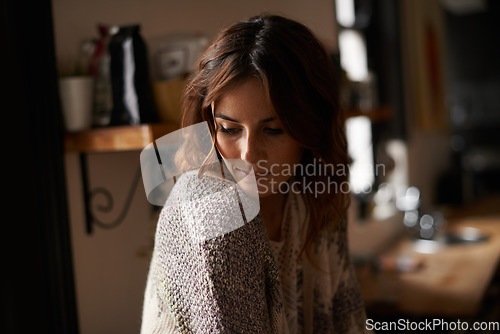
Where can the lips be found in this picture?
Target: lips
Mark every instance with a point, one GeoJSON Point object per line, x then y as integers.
{"type": "Point", "coordinates": [242, 171]}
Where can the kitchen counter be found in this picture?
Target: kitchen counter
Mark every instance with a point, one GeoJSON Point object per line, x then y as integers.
{"type": "Point", "coordinates": [446, 280]}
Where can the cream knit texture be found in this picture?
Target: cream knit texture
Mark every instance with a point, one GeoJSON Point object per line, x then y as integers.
{"type": "Point", "coordinates": [204, 284]}
{"type": "Point", "coordinates": [205, 280]}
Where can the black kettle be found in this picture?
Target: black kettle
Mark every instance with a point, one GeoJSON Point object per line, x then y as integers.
{"type": "Point", "coordinates": [133, 99]}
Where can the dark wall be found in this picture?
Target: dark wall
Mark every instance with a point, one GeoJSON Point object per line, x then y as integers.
{"type": "Point", "coordinates": [473, 83]}
{"type": "Point", "coordinates": [383, 41]}
{"type": "Point", "coordinates": [473, 74]}
{"type": "Point", "coordinates": [37, 274]}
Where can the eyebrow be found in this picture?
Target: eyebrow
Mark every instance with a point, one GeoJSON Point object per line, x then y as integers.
{"type": "Point", "coordinates": [222, 116]}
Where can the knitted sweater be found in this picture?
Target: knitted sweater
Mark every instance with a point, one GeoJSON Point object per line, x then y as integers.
{"type": "Point", "coordinates": [238, 281]}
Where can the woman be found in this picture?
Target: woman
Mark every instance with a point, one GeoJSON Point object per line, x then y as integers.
{"type": "Point", "coordinates": [266, 88]}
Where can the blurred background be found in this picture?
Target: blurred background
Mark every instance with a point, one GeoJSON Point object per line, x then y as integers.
{"type": "Point", "coordinates": [419, 81]}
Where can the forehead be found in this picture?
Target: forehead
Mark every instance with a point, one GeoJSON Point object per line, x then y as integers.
{"type": "Point", "coordinates": [247, 99]}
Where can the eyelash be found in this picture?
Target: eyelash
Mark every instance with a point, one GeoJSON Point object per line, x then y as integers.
{"type": "Point", "coordinates": [233, 132]}
{"type": "Point", "coordinates": [272, 131]}
{"type": "Point", "coordinates": [230, 132]}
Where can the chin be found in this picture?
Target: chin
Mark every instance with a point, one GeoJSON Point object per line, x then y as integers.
{"type": "Point", "coordinates": [265, 194]}
{"type": "Point", "coordinates": [265, 188]}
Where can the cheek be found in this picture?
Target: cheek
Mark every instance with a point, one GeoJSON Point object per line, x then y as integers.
{"type": "Point", "coordinates": [297, 153]}
{"type": "Point", "coordinates": [286, 155]}
{"type": "Point", "coordinates": [227, 148]}
{"type": "Point", "coordinates": [291, 153]}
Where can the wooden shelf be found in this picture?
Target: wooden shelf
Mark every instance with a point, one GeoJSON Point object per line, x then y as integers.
{"type": "Point", "coordinates": [127, 138]}
{"type": "Point", "coordinates": [381, 114]}
{"type": "Point", "coordinates": [116, 138]}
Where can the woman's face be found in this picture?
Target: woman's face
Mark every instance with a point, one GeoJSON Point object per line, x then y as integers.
{"type": "Point", "coordinates": [249, 129]}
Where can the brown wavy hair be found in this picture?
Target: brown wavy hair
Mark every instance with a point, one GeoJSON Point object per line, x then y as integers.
{"type": "Point", "coordinates": [300, 78]}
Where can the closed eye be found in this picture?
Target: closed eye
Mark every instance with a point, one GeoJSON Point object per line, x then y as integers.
{"type": "Point", "coordinates": [273, 131]}
{"type": "Point", "coordinates": [229, 131]}
{"type": "Point", "coordinates": [236, 131]}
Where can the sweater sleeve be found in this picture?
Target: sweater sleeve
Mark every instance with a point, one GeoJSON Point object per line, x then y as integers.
{"type": "Point", "coordinates": [154, 318]}
{"type": "Point", "coordinates": [210, 273]}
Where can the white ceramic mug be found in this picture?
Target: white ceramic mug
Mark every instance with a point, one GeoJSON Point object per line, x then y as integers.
{"type": "Point", "coordinates": [77, 102]}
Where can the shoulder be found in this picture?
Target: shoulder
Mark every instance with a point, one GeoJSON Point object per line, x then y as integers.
{"type": "Point", "coordinates": [208, 206]}
{"type": "Point", "coordinates": [191, 186]}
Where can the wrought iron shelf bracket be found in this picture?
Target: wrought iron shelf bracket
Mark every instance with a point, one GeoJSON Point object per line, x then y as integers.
{"type": "Point", "coordinates": [89, 196]}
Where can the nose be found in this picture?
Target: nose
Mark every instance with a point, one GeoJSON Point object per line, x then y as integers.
{"type": "Point", "coordinates": [251, 149]}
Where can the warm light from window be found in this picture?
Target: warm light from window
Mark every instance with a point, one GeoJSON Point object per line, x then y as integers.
{"type": "Point", "coordinates": [345, 12]}
{"type": "Point", "coordinates": [359, 137]}
{"type": "Point", "coordinates": [352, 48]}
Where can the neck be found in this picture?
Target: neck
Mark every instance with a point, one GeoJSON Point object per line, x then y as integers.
{"type": "Point", "coordinates": [271, 208]}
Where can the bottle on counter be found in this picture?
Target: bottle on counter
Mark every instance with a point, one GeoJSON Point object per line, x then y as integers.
{"type": "Point", "coordinates": [101, 70]}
